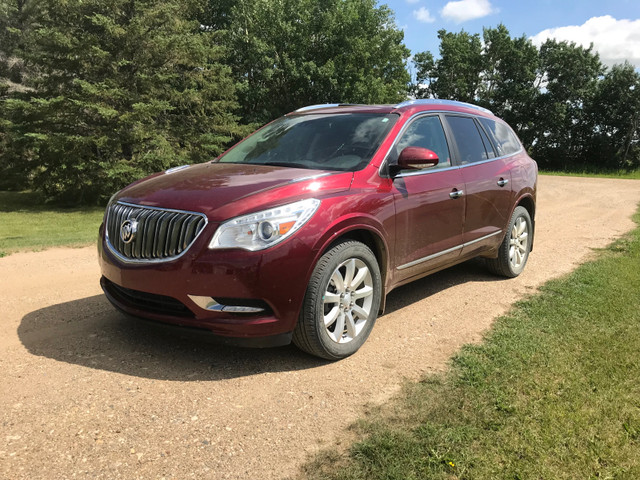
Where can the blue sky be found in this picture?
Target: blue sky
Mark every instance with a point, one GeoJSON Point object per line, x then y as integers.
{"type": "Point", "coordinates": [613, 26]}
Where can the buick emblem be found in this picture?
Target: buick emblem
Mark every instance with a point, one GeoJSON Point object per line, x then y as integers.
{"type": "Point", "coordinates": [128, 230]}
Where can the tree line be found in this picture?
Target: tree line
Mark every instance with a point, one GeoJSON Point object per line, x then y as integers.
{"type": "Point", "coordinates": [97, 93]}
{"type": "Point", "coordinates": [569, 110]}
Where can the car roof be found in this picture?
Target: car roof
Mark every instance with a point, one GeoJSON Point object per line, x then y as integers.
{"type": "Point", "coordinates": [409, 106]}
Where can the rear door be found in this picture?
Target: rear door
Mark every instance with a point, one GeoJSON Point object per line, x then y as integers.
{"type": "Point", "coordinates": [487, 184]}
{"type": "Point", "coordinates": [429, 215]}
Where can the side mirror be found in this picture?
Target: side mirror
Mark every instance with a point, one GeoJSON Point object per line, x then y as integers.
{"type": "Point", "coordinates": [417, 158]}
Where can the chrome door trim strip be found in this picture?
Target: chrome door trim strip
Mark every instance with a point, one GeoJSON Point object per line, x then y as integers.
{"type": "Point", "coordinates": [429, 257]}
{"type": "Point", "coordinates": [444, 252]}
{"type": "Point", "coordinates": [482, 238]}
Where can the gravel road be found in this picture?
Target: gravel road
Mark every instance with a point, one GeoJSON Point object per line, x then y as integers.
{"type": "Point", "coordinates": [87, 393]}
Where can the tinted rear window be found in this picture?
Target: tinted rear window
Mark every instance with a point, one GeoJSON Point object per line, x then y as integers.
{"type": "Point", "coordinates": [470, 146]}
{"type": "Point", "coordinates": [502, 136]}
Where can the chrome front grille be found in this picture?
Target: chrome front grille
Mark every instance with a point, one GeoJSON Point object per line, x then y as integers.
{"type": "Point", "coordinates": [150, 233]}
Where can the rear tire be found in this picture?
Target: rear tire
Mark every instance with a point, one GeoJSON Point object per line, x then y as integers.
{"type": "Point", "coordinates": [514, 249]}
{"type": "Point", "coordinates": [341, 302]}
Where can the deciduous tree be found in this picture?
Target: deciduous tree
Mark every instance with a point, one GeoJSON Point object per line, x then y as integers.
{"type": "Point", "coordinates": [291, 53]}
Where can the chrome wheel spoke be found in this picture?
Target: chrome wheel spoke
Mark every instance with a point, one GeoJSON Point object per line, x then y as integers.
{"type": "Point", "coordinates": [351, 326]}
{"type": "Point", "coordinates": [338, 281]}
{"type": "Point", "coordinates": [339, 328]}
{"type": "Point", "coordinates": [364, 292]}
{"type": "Point", "coordinates": [350, 272]}
{"type": "Point", "coordinates": [360, 312]}
{"type": "Point", "coordinates": [357, 280]}
{"type": "Point", "coordinates": [330, 317]}
{"type": "Point", "coordinates": [330, 297]}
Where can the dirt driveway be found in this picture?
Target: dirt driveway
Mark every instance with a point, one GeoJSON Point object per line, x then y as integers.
{"type": "Point", "coordinates": [86, 393]}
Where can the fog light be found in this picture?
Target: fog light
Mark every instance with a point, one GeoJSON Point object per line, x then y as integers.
{"type": "Point", "coordinates": [209, 303]}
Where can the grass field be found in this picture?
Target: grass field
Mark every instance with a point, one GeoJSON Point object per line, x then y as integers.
{"type": "Point", "coordinates": [27, 224]}
{"type": "Point", "coordinates": [622, 174]}
{"type": "Point", "coordinates": [551, 393]}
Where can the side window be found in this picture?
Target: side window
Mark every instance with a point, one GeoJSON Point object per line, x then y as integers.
{"type": "Point", "coordinates": [468, 140]}
{"type": "Point", "coordinates": [425, 132]}
{"type": "Point", "coordinates": [503, 137]}
{"type": "Point", "coordinates": [487, 144]}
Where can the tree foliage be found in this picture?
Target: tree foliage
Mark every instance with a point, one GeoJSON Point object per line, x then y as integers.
{"type": "Point", "coordinates": [567, 109]}
{"type": "Point", "coordinates": [291, 53]}
{"type": "Point", "coordinates": [111, 90]}
{"type": "Point", "coordinates": [456, 74]}
{"type": "Point", "coordinates": [97, 93]}
{"type": "Point", "coordinates": [615, 109]}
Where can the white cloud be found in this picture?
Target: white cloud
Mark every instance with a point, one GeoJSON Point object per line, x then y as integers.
{"type": "Point", "coordinates": [464, 10]}
{"type": "Point", "coordinates": [615, 40]}
{"type": "Point", "coordinates": [423, 15]}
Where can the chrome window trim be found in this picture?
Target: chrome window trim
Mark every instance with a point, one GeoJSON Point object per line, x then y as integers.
{"type": "Point", "coordinates": [426, 171]}
{"type": "Point", "coordinates": [140, 261]}
{"type": "Point", "coordinates": [435, 169]}
{"type": "Point", "coordinates": [444, 252]}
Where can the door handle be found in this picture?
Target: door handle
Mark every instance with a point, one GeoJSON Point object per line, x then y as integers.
{"type": "Point", "coordinates": [502, 182]}
{"type": "Point", "coordinates": [456, 193]}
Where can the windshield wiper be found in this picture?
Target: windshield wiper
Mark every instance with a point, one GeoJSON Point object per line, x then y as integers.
{"type": "Point", "coordinates": [285, 164]}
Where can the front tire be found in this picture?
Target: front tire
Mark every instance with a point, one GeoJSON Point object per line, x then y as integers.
{"type": "Point", "coordinates": [341, 302]}
{"type": "Point", "coordinates": [514, 249]}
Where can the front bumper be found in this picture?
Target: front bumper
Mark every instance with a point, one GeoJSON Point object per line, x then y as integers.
{"type": "Point", "coordinates": [273, 280]}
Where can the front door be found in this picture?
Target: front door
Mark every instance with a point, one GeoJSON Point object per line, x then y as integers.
{"type": "Point", "coordinates": [429, 212]}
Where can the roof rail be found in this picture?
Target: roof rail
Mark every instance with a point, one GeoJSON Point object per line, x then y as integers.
{"type": "Point", "coordinates": [437, 101]}
{"type": "Point", "coordinates": [313, 107]}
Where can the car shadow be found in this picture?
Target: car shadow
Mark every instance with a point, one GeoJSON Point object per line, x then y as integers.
{"type": "Point", "coordinates": [470, 271]}
{"type": "Point", "coordinates": [91, 333]}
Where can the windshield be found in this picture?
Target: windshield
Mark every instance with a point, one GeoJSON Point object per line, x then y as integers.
{"type": "Point", "coordinates": [344, 142]}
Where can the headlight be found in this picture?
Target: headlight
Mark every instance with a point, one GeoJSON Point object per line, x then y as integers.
{"type": "Point", "coordinates": [261, 230]}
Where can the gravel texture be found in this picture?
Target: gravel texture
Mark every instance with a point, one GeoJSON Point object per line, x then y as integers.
{"type": "Point", "coordinates": [88, 393]}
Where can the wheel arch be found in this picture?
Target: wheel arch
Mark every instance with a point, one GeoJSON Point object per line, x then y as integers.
{"type": "Point", "coordinates": [376, 243]}
{"type": "Point", "coordinates": [529, 204]}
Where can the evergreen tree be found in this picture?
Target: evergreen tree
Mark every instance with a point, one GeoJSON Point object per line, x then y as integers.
{"type": "Point", "coordinates": [17, 20]}
{"type": "Point", "coordinates": [120, 89]}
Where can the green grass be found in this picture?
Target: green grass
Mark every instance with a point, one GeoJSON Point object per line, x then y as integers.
{"type": "Point", "coordinates": [622, 174]}
{"type": "Point", "coordinates": [26, 223]}
{"type": "Point", "coordinates": [553, 392]}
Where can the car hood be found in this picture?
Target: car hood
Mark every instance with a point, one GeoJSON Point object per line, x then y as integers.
{"type": "Point", "coordinates": [224, 190]}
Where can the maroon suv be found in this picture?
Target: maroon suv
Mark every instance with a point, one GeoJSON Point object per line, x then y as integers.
{"type": "Point", "coordinates": [301, 230]}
